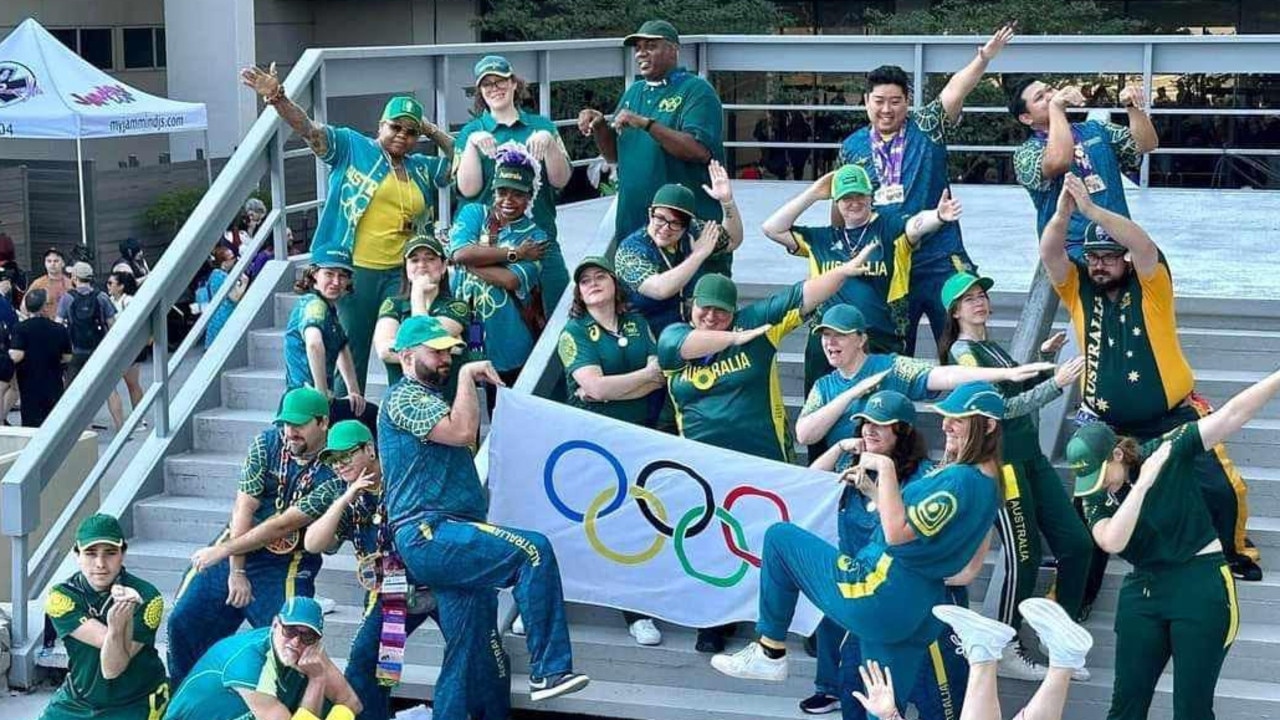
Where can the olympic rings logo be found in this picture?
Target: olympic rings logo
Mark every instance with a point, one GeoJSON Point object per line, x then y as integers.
{"type": "Point", "coordinates": [689, 525]}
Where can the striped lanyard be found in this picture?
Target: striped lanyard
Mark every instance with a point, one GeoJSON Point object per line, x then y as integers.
{"type": "Point", "coordinates": [887, 155]}
{"type": "Point", "coordinates": [1078, 155]}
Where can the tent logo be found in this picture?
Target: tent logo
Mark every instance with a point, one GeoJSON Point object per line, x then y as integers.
{"type": "Point", "coordinates": [104, 95]}
{"type": "Point", "coordinates": [17, 83]}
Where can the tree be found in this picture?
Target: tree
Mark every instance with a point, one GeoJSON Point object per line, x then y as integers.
{"type": "Point", "coordinates": [513, 20]}
{"type": "Point", "coordinates": [1035, 17]}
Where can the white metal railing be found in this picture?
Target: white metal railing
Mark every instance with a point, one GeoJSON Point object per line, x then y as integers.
{"type": "Point", "coordinates": [439, 74]}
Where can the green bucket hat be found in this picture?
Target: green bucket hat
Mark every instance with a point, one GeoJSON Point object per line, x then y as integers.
{"type": "Point", "coordinates": [304, 611]}
{"type": "Point", "coordinates": [99, 529]}
{"type": "Point", "coordinates": [676, 197]}
{"type": "Point", "coordinates": [344, 437]}
{"type": "Point", "coordinates": [430, 242]}
{"type": "Point", "coordinates": [591, 261]}
{"type": "Point", "coordinates": [972, 398]}
{"type": "Point", "coordinates": [424, 330]}
{"type": "Point", "coordinates": [716, 291]}
{"type": "Point", "coordinates": [1097, 239]}
{"type": "Point", "coordinates": [886, 408]}
{"type": "Point", "coordinates": [652, 30]}
{"type": "Point", "coordinates": [302, 405]}
{"type": "Point", "coordinates": [516, 177]}
{"type": "Point", "coordinates": [850, 179]}
{"type": "Point", "coordinates": [959, 284]}
{"type": "Point", "coordinates": [1087, 454]}
{"type": "Point", "coordinates": [844, 319]}
{"type": "Point", "coordinates": [402, 106]}
{"type": "Point", "coordinates": [493, 65]}
{"type": "Point", "coordinates": [333, 257]}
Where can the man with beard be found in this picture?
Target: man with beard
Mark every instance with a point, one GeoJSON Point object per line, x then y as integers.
{"type": "Point", "coordinates": [1136, 379]}
{"type": "Point", "coordinates": [437, 506]}
{"type": "Point", "coordinates": [259, 559]}
{"type": "Point", "coordinates": [475, 677]}
{"type": "Point", "coordinates": [278, 671]}
{"type": "Point", "coordinates": [666, 129]}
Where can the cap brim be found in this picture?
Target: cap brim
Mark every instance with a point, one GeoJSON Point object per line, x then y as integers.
{"type": "Point", "coordinates": [499, 73]}
{"type": "Point", "coordinates": [1105, 247]}
{"type": "Point", "coordinates": [444, 343]}
{"type": "Point", "coordinates": [633, 37]}
{"type": "Point", "coordinates": [513, 185]}
{"type": "Point", "coordinates": [408, 250]}
{"type": "Point", "coordinates": [847, 193]}
{"type": "Point", "coordinates": [300, 623]}
{"type": "Point", "coordinates": [875, 420]}
{"type": "Point", "coordinates": [411, 116]}
{"type": "Point", "coordinates": [836, 329]}
{"type": "Point", "coordinates": [717, 304]}
{"type": "Point", "coordinates": [292, 419]}
{"type": "Point", "coordinates": [947, 411]}
{"type": "Point", "coordinates": [577, 272]}
{"type": "Point", "coordinates": [113, 542]}
{"type": "Point", "coordinates": [1091, 483]}
{"type": "Point", "coordinates": [676, 208]}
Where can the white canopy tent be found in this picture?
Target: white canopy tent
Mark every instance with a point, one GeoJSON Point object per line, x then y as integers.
{"type": "Point", "coordinates": [47, 92]}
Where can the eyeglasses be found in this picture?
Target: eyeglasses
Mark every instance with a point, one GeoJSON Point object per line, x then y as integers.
{"type": "Point", "coordinates": [398, 129]}
{"type": "Point", "coordinates": [1103, 258]}
{"type": "Point", "coordinates": [667, 223]}
{"type": "Point", "coordinates": [343, 458]}
{"type": "Point", "coordinates": [490, 84]}
{"type": "Point", "coordinates": [303, 634]}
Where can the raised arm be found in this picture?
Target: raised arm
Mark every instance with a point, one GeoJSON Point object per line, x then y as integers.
{"type": "Point", "coordinates": [928, 222]}
{"type": "Point", "coordinates": [1053, 241]}
{"type": "Point", "coordinates": [460, 425]}
{"type": "Point", "coordinates": [546, 148]}
{"type": "Point", "coordinates": [268, 86]}
{"type": "Point", "coordinates": [964, 81]}
{"type": "Point", "coordinates": [721, 190]}
{"type": "Point", "coordinates": [1030, 401]}
{"type": "Point", "coordinates": [1226, 420]}
{"type": "Point", "coordinates": [1142, 249]}
{"type": "Point", "coordinates": [1144, 134]}
{"type": "Point", "coordinates": [817, 418]}
{"type": "Point", "coordinates": [949, 377]}
{"type": "Point", "coordinates": [701, 343]}
{"type": "Point", "coordinates": [778, 226]}
{"type": "Point", "coordinates": [663, 285]}
{"type": "Point", "coordinates": [1113, 534]}
{"type": "Point", "coordinates": [1059, 150]}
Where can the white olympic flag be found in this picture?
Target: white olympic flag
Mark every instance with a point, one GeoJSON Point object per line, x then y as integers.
{"type": "Point", "coordinates": [644, 521]}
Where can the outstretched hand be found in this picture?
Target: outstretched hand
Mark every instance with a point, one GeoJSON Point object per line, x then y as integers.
{"type": "Point", "coordinates": [949, 208]}
{"type": "Point", "coordinates": [878, 700]}
{"type": "Point", "coordinates": [720, 188]}
{"type": "Point", "coordinates": [998, 40]}
{"type": "Point", "coordinates": [264, 82]}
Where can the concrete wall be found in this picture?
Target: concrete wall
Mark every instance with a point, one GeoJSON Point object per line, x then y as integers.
{"type": "Point", "coordinates": [208, 42]}
{"type": "Point", "coordinates": [56, 494]}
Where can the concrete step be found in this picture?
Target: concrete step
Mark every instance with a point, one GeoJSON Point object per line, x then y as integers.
{"type": "Point", "coordinates": [1254, 656]}
{"type": "Point", "coordinates": [181, 518]}
{"type": "Point", "coordinates": [205, 474]}
{"type": "Point", "coordinates": [259, 388]}
{"type": "Point", "coordinates": [226, 430]}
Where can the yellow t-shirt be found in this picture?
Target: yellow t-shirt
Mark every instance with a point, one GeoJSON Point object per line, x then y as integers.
{"type": "Point", "coordinates": [387, 224]}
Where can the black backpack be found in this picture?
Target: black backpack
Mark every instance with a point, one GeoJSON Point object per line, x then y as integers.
{"type": "Point", "coordinates": [88, 323]}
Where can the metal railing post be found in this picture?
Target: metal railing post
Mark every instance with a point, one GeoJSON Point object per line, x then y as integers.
{"type": "Point", "coordinates": [319, 113]}
{"type": "Point", "coordinates": [18, 586]}
{"type": "Point", "coordinates": [1144, 172]}
{"type": "Point", "coordinates": [917, 92]}
{"type": "Point", "coordinates": [160, 369]}
{"type": "Point", "coordinates": [275, 155]}
{"type": "Point", "coordinates": [544, 83]}
{"type": "Point", "coordinates": [440, 67]}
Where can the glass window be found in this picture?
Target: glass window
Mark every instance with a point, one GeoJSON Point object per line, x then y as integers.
{"type": "Point", "coordinates": [67, 36]}
{"type": "Point", "coordinates": [162, 56]}
{"type": "Point", "coordinates": [139, 48]}
{"type": "Point", "coordinates": [95, 46]}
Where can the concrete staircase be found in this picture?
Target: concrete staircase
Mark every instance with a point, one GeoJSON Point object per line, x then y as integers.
{"type": "Point", "coordinates": [672, 681]}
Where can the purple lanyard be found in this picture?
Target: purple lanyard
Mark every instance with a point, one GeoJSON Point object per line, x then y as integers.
{"type": "Point", "coordinates": [1079, 157]}
{"type": "Point", "coordinates": [887, 156]}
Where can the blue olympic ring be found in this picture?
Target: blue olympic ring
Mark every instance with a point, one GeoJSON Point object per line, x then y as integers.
{"type": "Point", "coordinates": [548, 479]}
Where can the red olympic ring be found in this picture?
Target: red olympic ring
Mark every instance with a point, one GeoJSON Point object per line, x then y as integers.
{"type": "Point", "coordinates": [732, 498]}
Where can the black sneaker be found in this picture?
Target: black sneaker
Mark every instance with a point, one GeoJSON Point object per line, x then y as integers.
{"type": "Point", "coordinates": [1244, 569]}
{"type": "Point", "coordinates": [819, 704]}
{"type": "Point", "coordinates": [710, 640]}
{"type": "Point", "coordinates": [556, 685]}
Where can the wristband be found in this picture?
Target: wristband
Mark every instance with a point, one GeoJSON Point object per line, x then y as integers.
{"type": "Point", "coordinates": [239, 571]}
{"type": "Point", "coordinates": [276, 96]}
{"type": "Point", "coordinates": [648, 124]}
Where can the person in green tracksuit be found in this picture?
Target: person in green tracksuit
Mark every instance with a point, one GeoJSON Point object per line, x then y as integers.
{"type": "Point", "coordinates": [500, 120]}
{"type": "Point", "coordinates": [881, 295]}
{"type": "Point", "coordinates": [1144, 503]}
{"type": "Point", "coordinates": [424, 291]}
{"type": "Point", "coordinates": [107, 619]}
{"type": "Point", "coordinates": [667, 127]}
{"type": "Point", "coordinates": [1035, 500]}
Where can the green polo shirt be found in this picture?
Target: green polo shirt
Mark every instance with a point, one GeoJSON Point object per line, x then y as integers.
{"type": "Point", "coordinates": [398, 308]}
{"type": "Point", "coordinates": [85, 692]}
{"type": "Point", "coordinates": [584, 343]}
{"type": "Point", "coordinates": [544, 203]}
{"type": "Point", "coordinates": [680, 101]}
{"type": "Point", "coordinates": [245, 661]}
{"type": "Point", "coordinates": [1174, 523]}
{"type": "Point", "coordinates": [733, 399]}
{"type": "Point", "coordinates": [1021, 437]}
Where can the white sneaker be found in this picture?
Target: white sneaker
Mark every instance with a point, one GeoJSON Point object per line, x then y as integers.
{"type": "Point", "coordinates": [1066, 642]}
{"type": "Point", "coordinates": [328, 606]}
{"type": "Point", "coordinates": [750, 663]}
{"type": "Point", "coordinates": [981, 638]}
{"type": "Point", "coordinates": [517, 626]}
{"type": "Point", "coordinates": [1019, 665]}
{"type": "Point", "coordinates": [646, 632]}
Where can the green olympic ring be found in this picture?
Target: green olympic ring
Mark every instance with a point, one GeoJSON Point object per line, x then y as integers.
{"type": "Point", "coordinates": [593, 511]}
{"type": "Point", "coordinates": [726, 519]}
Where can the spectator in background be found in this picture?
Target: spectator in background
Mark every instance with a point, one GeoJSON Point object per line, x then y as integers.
{"type": "Point", "coordinates": [132, 260]}
{"type": "Point", "coordinates": [8, 321]}
{"type": "Point", "coordinates": [55, 282]}
{"type": "Point", "coordinates": [87, 313]}
{"type": "Point", "coordinates": [797, 130]}
{"type": "Point", "coordinates": [254, 211]}
{"type": "Point", "coordinates": [121, 286]}
{"type": "Point", "coordinates": [40, 348]}
{"type": "Point", "coordinates": [223, 261]}
{"type": "Point", "coordinates": [235, 236]}
{"type": "Point", "coordinates": [13, 282]}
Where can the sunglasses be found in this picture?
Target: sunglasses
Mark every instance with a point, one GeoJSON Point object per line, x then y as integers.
{"type": "Point", "coordinates": [399, 129]}
{"type": "Point", "coordinates": [301, 633]}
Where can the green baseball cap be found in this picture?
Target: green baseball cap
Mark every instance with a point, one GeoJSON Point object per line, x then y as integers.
{"type": "Point", "coordinates": [344, 436]}
{"type": "Point", "coordinates": [1097, 239]}
{"type": "Point", "coordinates": [716, 291]}
{"type": "Point", "coordinates": [305, 611]}
{"type": "Point", "coordinates": [886, 408]}
{"type": "Point", "coordinates": [516, 177]}
{"type": "Point", "coordinates": [972, 398]}
{"type": "Point", "coordinates": [1087, 454]}
{"type": "Point", "coordinates": [333, 257]}
{"type": "Point", "coordinates": [402, 106]}
{"type": "Point", "coordinates": [653, 30]}
{"type": "Point", "coordinates": [593, 261]}
{"type": "Point", "coordinates": [99, 529]}
{"type": "Point", "coordinates": [430, 242]}
{"type": "Point", "coordinates": [844, 319]}
{"type": "Point", "coordinates": [959, 284]}
{"type": "Point", "coordinates": [424, 330]}
{"type": "Point", "coordinates": [674, 197]}
{"type": "Point", "coordinates": [493, 65]}
{"type": "Point", "coordinates": [302, 405]}
{"type": "Point", "coordinates": [850, 179]}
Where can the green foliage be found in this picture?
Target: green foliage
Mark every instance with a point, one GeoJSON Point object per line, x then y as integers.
{"type": "Point", "coordinates": [1035, 17]}
{"type": "Point", "coordinates": [513, 20]}
{"type": "Point", "coordinates": [172, 209]}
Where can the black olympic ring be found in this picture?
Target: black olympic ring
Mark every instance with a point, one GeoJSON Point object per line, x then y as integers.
{"type": "Point", "coordinates": [708, 511]}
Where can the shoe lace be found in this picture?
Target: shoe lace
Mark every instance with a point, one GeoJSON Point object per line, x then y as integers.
{"type": "Point", "coordinates": [1025, 656]}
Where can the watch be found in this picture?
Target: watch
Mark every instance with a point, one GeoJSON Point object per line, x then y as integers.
{"type": "Point", "coordinates": [511, 255]}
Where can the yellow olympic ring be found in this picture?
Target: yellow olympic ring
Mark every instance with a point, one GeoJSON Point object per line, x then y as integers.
{"type": "Point", "coordinates": [589, 524]}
